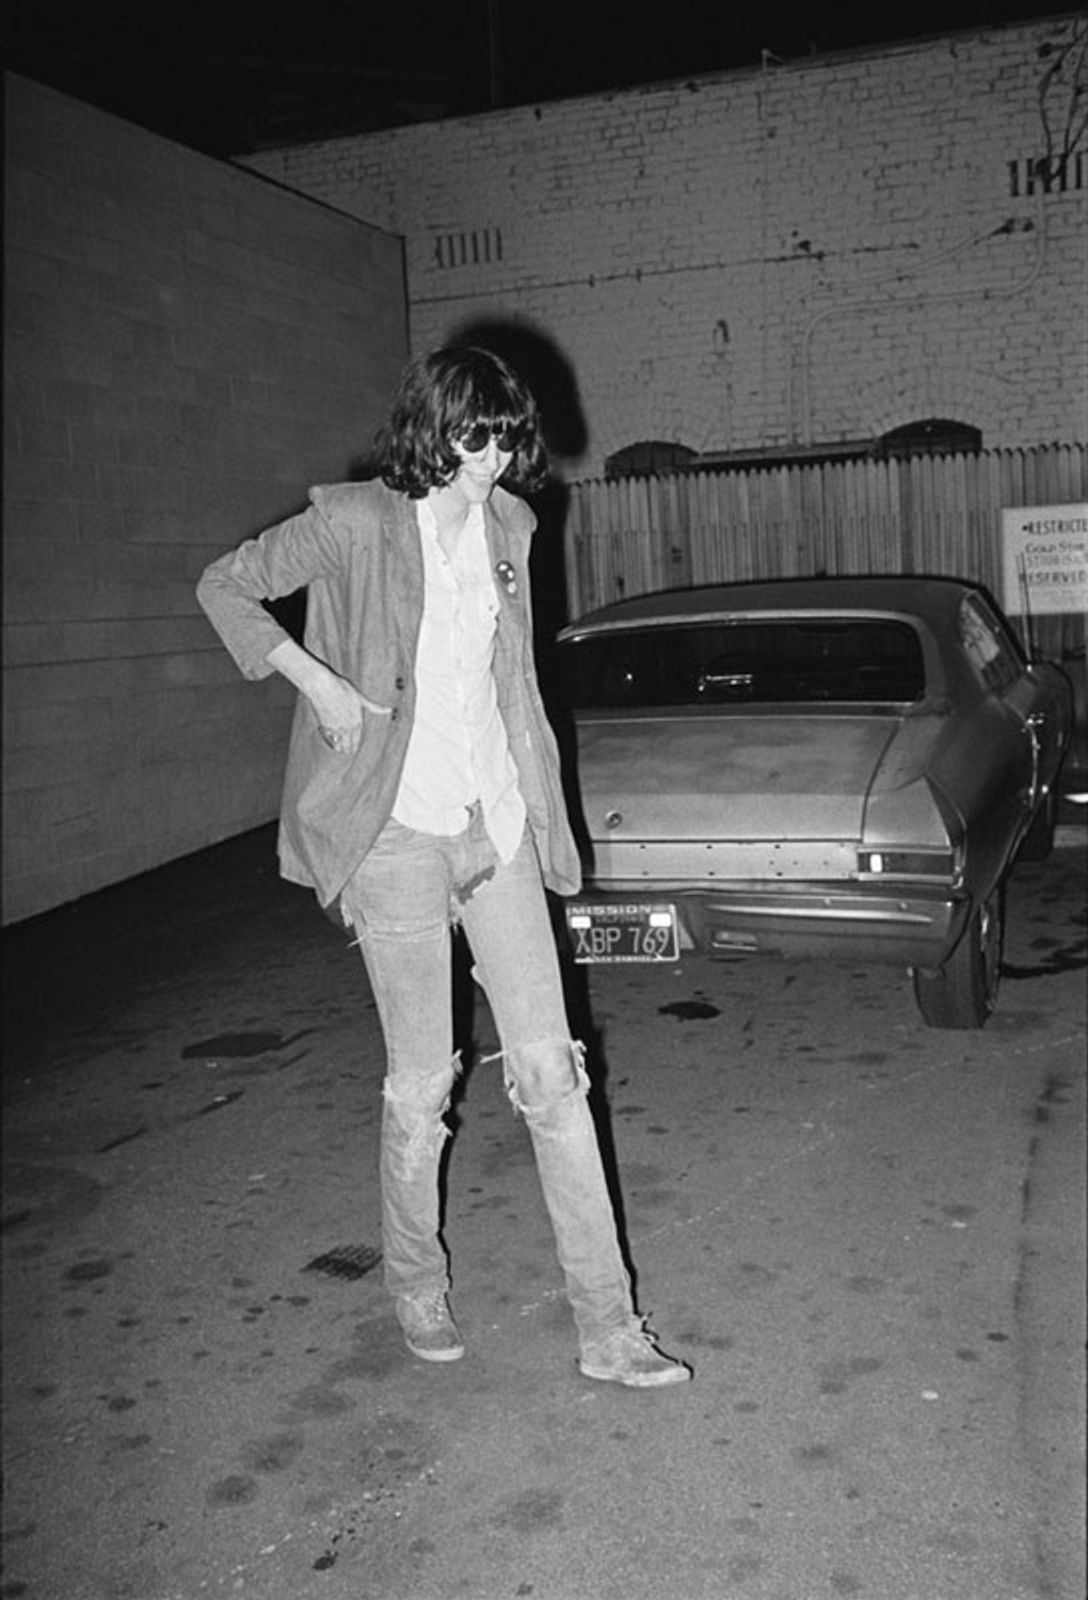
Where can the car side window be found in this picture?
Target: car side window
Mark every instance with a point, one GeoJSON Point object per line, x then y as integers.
{"type": "Point", "coordinates": [990, 653]}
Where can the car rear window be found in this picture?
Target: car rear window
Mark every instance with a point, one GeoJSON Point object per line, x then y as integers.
{"type": "Point", "coordinates": [745, 662]}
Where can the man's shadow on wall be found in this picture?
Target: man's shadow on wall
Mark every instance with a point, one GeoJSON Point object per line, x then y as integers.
{"type": "Point", "coordinates": [550, 376]}
{"type": "Point", "coordinates": [536, 357]}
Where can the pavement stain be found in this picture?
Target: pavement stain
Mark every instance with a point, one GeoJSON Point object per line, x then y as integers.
{"type": "Point", "coordinates": [493, 1202]}
{"type": "Point", "coordinates": [689, 1010]}
{"type": "Point", "coordinates": [273, 1454]}
{"type": "Point", "coordinates": [693, 1339]}
{"type": "Point", "coordinates": [44, 1196]}
{"type": "Point", "coordinates": [121, 1443]}
{"type": "Point", "coordinates": [1058, 958]}
{"type": "Point", "coordinates": [122, 1138]}
{"type": "Point", "coordinates": [318, 1402]}
{"type": "Point", "coordinates": [118, 1402]}
{"type": "Point", "coordinates": [836, 1377]}
{"type": "Point", "coordinates": [232, 1491]}
{"type": "Point", "coordinates": [387, 1455]}
{"type": "Point", "coordinates": [89, 1271]}
{"type": "Point", "coordinates": [645, 1175]}
{"type": "Point", "coordinates": [378, 1353]}
{"type": "Point", "coordinates": [1052, 1095]}
{"type": "Point", "coordinates": [531, 1511]}
{"type": "Point", "coordinates": [504, 1154]}
{"type": "Point", "coordinates": [240, 1046]}
{"type": "Point", "coordinates": [753, 1275]}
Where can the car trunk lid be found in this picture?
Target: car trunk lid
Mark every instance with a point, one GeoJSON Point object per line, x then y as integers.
{"type": "Point", "coordinates": [738, 776]}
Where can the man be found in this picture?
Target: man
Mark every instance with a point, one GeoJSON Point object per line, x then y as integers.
{"type": "Point", "coordinates": [422, 793]}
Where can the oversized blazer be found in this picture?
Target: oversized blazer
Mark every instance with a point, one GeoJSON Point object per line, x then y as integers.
{"type": "Point", "coordinates": [356, 548]}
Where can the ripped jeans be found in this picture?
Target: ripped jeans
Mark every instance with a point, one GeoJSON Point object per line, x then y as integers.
{"type": "Point", "coordinates": [402, 901]}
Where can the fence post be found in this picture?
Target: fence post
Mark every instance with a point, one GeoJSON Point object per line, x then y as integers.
{"type": "Point", "coordinates": [906, 513]}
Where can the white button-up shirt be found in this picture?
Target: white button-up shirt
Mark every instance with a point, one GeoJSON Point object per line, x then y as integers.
{"type": "Point", "coordinates": [458, 753]}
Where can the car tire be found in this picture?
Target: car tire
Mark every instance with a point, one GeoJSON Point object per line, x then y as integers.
{"type": "Point", "coordinates": [1038, 842]}
{"type": "Point", "coordinates": [963, 992]}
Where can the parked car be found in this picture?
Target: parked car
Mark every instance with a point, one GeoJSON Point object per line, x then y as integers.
{"type": "Point", "coordinates": [831, 766]}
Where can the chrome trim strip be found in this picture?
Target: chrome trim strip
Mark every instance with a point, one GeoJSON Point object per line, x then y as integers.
{"type": "Point", "coordinates": [821, 913]}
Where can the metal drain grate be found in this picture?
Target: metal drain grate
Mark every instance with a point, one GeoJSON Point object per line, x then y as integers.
{"type": "Point", "coordinates": [349, 1261]}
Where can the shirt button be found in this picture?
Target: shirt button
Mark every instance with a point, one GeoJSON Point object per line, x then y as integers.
{"type": "Point", "coordinates": [399, 683]}
{"type": "Point", "coordinates": [394, 715]}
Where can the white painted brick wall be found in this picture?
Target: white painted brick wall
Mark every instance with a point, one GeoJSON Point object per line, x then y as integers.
{"type": "Point", "coordinates": [805, 254]}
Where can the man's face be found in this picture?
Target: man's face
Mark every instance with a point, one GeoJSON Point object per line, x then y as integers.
{"type": "Point", "coordinates": [482, 467]}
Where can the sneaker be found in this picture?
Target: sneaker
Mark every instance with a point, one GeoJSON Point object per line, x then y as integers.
{"type": "Point", "coordinates": [429, 1330]}
{"type": "Point", "coordinates": [630, 1356]}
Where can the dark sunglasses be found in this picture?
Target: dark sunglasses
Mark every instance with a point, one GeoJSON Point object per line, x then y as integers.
{"type": "Point", "coordinates": [506, 435]}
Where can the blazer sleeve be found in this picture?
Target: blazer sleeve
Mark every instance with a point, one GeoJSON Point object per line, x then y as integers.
{"type": "Point", "coordinates": [284, 558]}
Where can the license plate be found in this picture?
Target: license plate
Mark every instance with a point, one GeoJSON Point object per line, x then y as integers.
{"type": "Point", "coordinates": [641, 932]}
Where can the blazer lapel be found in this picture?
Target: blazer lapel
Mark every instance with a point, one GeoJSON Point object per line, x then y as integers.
{"type": "Point", "coordinates": [404, 564]}
{"type": "Point", "coordinates": [505, 561]}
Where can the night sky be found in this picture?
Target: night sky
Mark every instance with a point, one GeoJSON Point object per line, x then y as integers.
{"type": "Point", "coordinates": [242, 75]}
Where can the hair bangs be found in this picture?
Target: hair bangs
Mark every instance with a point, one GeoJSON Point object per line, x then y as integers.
{"type": "Point", "coordinates": [485, 398]}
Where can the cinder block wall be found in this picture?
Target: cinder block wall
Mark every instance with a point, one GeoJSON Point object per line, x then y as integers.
{"type": "Point", "coordinates": [819, 251]}
{"type": "Point", "coordinates": [187, 348]}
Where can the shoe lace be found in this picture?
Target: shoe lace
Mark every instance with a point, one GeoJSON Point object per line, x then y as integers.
{"type": "Point", "coordinates": [636, 1336]}
{"type": "Point", "coordinates": [430, 1306]}
{"type": "Point", "coordinates": [641, 1333]}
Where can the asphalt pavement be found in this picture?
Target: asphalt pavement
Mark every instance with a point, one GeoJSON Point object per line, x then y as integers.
{"type": "Point", "coordinates": [867, 1237]}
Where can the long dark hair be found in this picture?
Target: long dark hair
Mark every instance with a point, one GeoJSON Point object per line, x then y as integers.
{"type": "Point", "coordinates": [443, 397]}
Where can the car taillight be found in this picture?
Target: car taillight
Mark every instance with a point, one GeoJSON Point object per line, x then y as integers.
{"type": "Point", "coordinates": [913, 831]}
{"type": "Point", "coordinates": [908, 863]}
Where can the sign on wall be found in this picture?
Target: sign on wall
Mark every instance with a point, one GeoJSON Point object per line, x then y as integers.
{"type": "Point", "coordinates": [1045, 566]}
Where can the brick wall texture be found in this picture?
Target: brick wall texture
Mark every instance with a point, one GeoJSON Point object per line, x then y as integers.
{"type": "Point", "coordinates": [187, 348]}
{"type": "Point", "coordinates": [810, 252]}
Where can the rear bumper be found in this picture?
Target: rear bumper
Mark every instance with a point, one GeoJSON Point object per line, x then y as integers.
{"type": "Point", "coordinates": [911, 928]}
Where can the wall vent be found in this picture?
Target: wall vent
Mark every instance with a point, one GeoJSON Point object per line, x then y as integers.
{"type": "Point", "coordinates": [1047, 175]}
{"type": "Point", "coordinates": [475, 247]}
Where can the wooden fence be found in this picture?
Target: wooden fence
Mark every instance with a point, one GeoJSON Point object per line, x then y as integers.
{"type": "Point", "coordinates": [932, 514]}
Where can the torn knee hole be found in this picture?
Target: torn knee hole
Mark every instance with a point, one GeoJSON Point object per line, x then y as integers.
{"type": "Point", "coordinates": [423, 1092]}
{"type": "Point", "coordinates": [536, 1081]}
